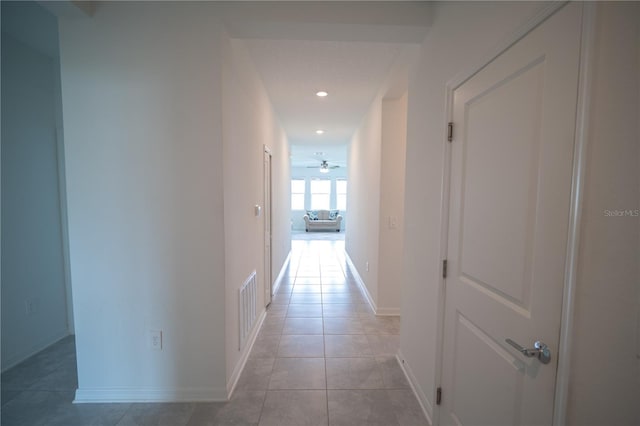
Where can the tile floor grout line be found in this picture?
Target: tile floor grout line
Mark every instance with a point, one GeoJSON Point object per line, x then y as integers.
{"type": "Point", "coordinates": [324, 343]}
{"type": "Point", "coordinates": [264, 399]}
{"type": "Point", "coordinates": [123, 414]}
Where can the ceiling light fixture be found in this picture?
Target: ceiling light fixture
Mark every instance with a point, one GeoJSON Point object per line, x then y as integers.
{"type": "Point", "coordinates": [319, 131]}
{"type": "Point", "coordinates": [321, 94]}
{"type": "Point", "coordinates": [324, 167]}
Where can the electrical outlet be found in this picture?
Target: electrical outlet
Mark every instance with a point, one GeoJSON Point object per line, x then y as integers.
{"type": "Point", "coordinates": [366, 266]}
{"type": "Point", "coordinates": [155, 339]}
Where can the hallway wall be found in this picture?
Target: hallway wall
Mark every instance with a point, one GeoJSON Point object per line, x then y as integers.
{"type": "Point", "coordinates": [363, 197]}
{"type": "Point", "coordinates": [376, 192]}
{"type": "Point", "coordinates": [392, 163]}
{"type": "Point", "coordinates": [608, 285]}
{"type": "Point", "coordinates": [34, 297]}
{"type": "Point", "coordinates": [249, 123]}
{"type": "Point", "coordinates": [142, 97]}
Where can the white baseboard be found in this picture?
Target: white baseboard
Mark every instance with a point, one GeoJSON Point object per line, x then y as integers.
{"type": "Point", "coordinates": [363, 288]}
{"type": "Point", "coordinates": [283, 272]}
{"type": "Point", "coordinates": [388, 312]}
{"type": "Point", "coordinates": [86, 396]}
{"type": "Point", "coordinates": [426, 406]}
{"type": "Point", "coordinates": [365, 292]}
{"type": "Point", "coordinates": [244, 355]}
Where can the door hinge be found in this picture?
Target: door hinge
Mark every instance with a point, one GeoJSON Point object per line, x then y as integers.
{"type": "Point", "coordinates": [444, 268]}
{"type": "Point", "coordinates": [438, 396]}
{"type": "Point", "coordinates": [450, 131]}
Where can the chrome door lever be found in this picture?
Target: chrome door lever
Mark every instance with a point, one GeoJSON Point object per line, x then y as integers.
{"type": "Point", "coordinates": [540, 351]}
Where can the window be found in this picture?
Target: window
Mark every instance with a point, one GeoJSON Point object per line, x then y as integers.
{"type": "Point", "coordinates": [341, 194]}
{"type": "Point", "coordinates": [297, 194]}
{"type": "Point", "coordinates": [320, 194]}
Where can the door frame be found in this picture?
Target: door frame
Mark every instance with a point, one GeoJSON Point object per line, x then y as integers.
{"type": "Point", "coordinates": [585, 72]}
{"type": "Point", "coordinates": [267, 215]}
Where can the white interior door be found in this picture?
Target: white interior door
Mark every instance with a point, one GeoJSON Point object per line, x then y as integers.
{"type": "Point", "coordinates": [268, 280]}
{"type": "Point", "coordinates": [511, 170]}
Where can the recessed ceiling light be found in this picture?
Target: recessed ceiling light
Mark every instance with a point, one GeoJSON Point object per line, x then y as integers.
{"type": "Point", "coordinates": [321, 93]}
{"type": "Point", "coordinates": [318, 154]}
{"type": "Point", "coordinates": [319, 131]}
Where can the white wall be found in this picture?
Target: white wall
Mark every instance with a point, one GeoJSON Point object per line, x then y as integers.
{"type": "Point", "coordinates": [393, 151]}
{"type": "Point", "coordinates": [363, 197]}
{"type": "Point", "coordinates": [32, 235]}
{"type": "Point", "coordinates": [297, 216]}
{"type": "Point", "coordinates": [605, 365]}
{"type": "Point", "coordinates": [281, 201]}
{"type": "Point", "coordinates": [141, 87]}
{"type": "Point", "coordinates": [376, 192]}
{"type": "Point", "coordinates": [249, 123]}
{"type": "Point", "coordinates": [460, 35]}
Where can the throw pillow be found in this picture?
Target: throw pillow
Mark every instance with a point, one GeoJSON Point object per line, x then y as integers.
{"type": "Point", "coordinates": [333, 214]}
{"type": "Point", "coordinates": [313, 215]}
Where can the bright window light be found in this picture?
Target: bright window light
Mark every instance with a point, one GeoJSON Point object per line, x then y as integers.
{"type": "Point", "coordinates": [320, 194]}
{"type": "Point", "coordinates": [341, 194]}
{"type": "Point", "coordinates": [297, 194]}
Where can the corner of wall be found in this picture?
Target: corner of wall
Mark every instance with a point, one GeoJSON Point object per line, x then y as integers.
{"type": "Point", "coordinates": [244, 354]}
{"type": "Point", "coordinates": [232, 382]}
{"type": "Point", "coordinates": [361, 285]}
{"type": "Point", "coordinates": [425, 404]}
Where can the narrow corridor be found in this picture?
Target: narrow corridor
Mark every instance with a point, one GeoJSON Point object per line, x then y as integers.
{"type": "Point", "coordinates": [321, 358]}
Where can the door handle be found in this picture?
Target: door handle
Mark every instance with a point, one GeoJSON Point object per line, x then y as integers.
{"type": "Point", "coordinates": [540, 351]}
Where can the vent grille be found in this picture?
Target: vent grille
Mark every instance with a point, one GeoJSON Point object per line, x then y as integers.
{"type": "Point", "coordinates": [247, 308]}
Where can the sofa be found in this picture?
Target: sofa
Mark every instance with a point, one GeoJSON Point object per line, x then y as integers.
{"type": "Point", "coordinates": [322, 220]}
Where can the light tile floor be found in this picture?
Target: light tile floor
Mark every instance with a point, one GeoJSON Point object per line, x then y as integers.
{"type": "Point", "coordinates": [321, 358]}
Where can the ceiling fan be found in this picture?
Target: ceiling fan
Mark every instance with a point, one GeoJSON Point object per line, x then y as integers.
{"type": "Point", "coordinates": [324, 167]}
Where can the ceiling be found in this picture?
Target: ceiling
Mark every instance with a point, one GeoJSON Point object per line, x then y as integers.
{"type": "Point", "coordinates": [355, 51]}
{"type": "Point", "coordinates": [312, 155]}
{"type": "Point", "coordinates": [294, 70]}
